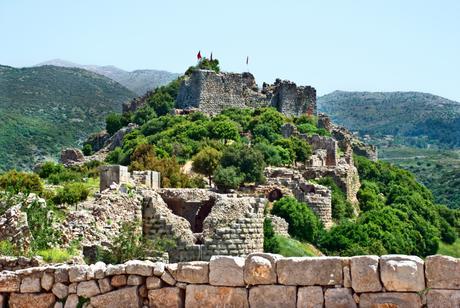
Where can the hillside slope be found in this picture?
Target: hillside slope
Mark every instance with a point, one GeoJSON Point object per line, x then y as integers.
{"type": "Point", "coordinates": [138, 81]}
{"type": "Point", "coordinates": [45, 108]}
{"type": "Point", "coordinates": [416, 119]}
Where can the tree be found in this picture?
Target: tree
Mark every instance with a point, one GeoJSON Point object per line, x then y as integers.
{"type": "Point", "coordinates": [206, 162]}
{"type": "Point", "coordinates": [248, 161]}
{"type": "Point", "coordinates": [227, 178]}
{"type": "Point", "coordinates": [224, 129]}
{"type": "Point", "coordinates": [113, 123]}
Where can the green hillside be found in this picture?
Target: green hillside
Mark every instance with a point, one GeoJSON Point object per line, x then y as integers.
{"type": "Point", "coordinates": [43, 109]}
{"type": "Point", "coordinates": [418, 119]}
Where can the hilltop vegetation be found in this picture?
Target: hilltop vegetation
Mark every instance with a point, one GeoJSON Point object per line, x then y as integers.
{"type": "Point", "coordinates": [416, 131]}
{"type": "Point", "coordinates": [43, 109]}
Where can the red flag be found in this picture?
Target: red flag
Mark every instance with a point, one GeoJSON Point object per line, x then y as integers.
{"type": "Point", "coordinates": [247, 60]}
{"type": "Point", "coordinates": [198, 56]}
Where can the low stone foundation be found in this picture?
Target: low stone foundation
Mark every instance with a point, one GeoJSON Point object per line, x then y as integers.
{"type": "Point", "coordinates": [259, 280]}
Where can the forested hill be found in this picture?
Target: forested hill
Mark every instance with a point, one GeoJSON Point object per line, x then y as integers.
{"type": "Point", "coordinates": [43, 109]}
{"type": "Point", "coordinates": [417, 119]}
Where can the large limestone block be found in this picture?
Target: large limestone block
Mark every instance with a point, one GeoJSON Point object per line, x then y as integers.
{"type": "Point", "coordinates": [47, 281]}
{"type": "Point", "coordinates": [118, 269]}
{"type": "Point", "coordinates": [141, 268]}
{"type": "Point", "coordinates": [365, 276]}
{"type": "Point", "coordinates": [310, 271]}
{"type": "Point", "coordinates": [272, 296]}
{"type": "Point", "coordinates": [44, 300]}
{"type": "Point", "coordinates": [166, 298]}
{"type": "Point", "coordinates": [153, 283]}
{"type": "Point", "coordinates": [402, 273]}
{"type": "Point", "coordinates": [443, 298]}
{"type": "Point", "coordinates": [226, 271]}
{"type": "Point", "coordinates": [442, 272]}
{"type": "Point", "coordinates": [118, 281]}
{"type": "Point", "coordinates": [310, 297]}
{"type": "Point", "coordinates": [61, 274]}
{"type": "Point", "coordinates": [390, 299]}
{"type": "Point", "coordinates": [71, 301]}
{"type": "Point", "coordinates": [9, 282]}
{"type": "Point", "coordinates": [122, 298]}
{"type": "Point", "coordinates": [339, 298]}
{"type": "Point", "coordinates": [193, 272]}
{"type": "Point", "coordinates": [260, 268]}
{"type": "Point", "coordinates": [88, 289]}
{"type": "Point", "coordinates": [205, 296]}
{"type": "Point", "coordinates": [31, 284]}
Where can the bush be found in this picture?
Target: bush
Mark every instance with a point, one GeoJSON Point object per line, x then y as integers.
{"type": "Point", "coordinates": [8, 249]}
{"type": "Point", "coordinates": [248, 161]}
{"type": "Point", "coordinates": [227, 178]}
{"type": "Point", "coordinates": [87, 149]}
{"type": "Point", "coordinates": [303, 223]}
{"type": "Point", "coordinates": [71, 193]}
{"type": "Point", "coordinates": [55, 255]}
{"type": "Point", "coordinates": [113, 123]}
{"type": "Point", "coordinates": [15, 182]}
{"type": "Point", "coordinates": [270, 243]}
{"type": "Point", "coordinates": [341, 207]}
{"type": "Point", "coordinates": [131, 244]}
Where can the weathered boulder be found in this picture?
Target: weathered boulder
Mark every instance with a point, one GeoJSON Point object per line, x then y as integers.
{"type": "Point", "coordinates": [166, 298]}
{"type": "Point", "coordinates": [339, 298]}
{"type": "Point", "coordinates": [310, 297]}
{"type": "Point", "coordinates": [118, 269]}
{"type": "Point", "coordinates": [88, 289]}
{"type": "Point", "coordinates": [272, 296]}
{"type": "Point", "coordinates": [402, 273]}
{"type": "Point", "coordinates": [60, 290]}
{"type": "Point", "coordinates": [9, 282]}
{"type": "Point", "coordinates": [61, 274]}
{"type": "Point", "coordinates": [310, 271]}
{"type": "Point", "coordinates": [193, 272]}
{"type": "Point", "coordinates": [443, 298]}
{"type": "Point", "coordinates": [168, 278]}
{"type": "Point", "coordinates": [442, 272]}
{"type": "Point", "coordinates": [226, 271]}
{"type": "Point", "coordinates": [205, 296]}
{"type": "Point", "coordinates": [135, 280]}
{"type": "Point", "coordinates": [30, 284]}
{"type": "Point", "coordinates": [365, 276]}
{"type": "Point", "coordinates": [260, 268]}
{"type": "Point", "coordinates": [390, 299]}
{"type": "Point", "coordinates": [44, 300]}
{"type": "Point", "coordinates": [122, 298]}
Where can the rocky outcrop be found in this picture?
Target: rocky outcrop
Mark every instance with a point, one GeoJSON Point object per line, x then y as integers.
{"type": "Point", "coordinates": [71, 157]}
{"type": "Point", "coordinates": [98, 140]}
{"type": "Point", "coordinates": [258, 280]}
{"type": "Point", "coordinates": [211, 92]}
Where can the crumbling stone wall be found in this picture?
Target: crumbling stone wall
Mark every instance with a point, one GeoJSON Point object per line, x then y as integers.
{"type": "Point", "coordinates": [205, 223]}
{"type": "Point", "coordinates": [258, 280]}
{"type": "Point", "coordinates": [318, 197]}
{"type": "Point", "coordinates": [212, 92]}
{"type": "Point", "coordinates": [280, 225]}
{"type": "Point", "coordinates": [120, 175]}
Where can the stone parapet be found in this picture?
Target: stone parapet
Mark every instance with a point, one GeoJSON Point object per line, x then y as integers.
{"type": "Point", "coordinates": [258, 280]}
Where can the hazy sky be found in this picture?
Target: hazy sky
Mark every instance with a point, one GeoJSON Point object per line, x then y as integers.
{"type": "Point", "coordinates": [372, 45]}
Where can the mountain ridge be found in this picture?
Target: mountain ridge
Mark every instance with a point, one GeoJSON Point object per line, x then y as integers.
{"type": "Point", "coordinates": [139, 81]}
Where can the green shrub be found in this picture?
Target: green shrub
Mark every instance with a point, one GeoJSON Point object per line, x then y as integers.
{"type": "Point", "coordinates": [341, 207]}
{"type": "Point", "coordinates": [303, 223]}
{"type": "Point", "coordinates": [55, 255]}
{"type": "Point", "coordinates": [8, 249]}
{"type": "Point", "coordinates": [87, 149]}
{"type": "Point", "coordinates": [206, 161]}
{"type": "Point", "coordinates": [113, 123]}
{"type": "Point", "coordinates": [15, 182]}
{"type": "Point", "coordinates": [270, 243]}
{"type": "Point", "coordinates": [71, 193]}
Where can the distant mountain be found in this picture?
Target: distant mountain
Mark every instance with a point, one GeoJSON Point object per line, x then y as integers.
{"type": "Point", "coordinates": [414, 118]}
{"type": "Point", "coordinates": [43, 109]}
{"type": "Point", "coordinates": [138, 81]}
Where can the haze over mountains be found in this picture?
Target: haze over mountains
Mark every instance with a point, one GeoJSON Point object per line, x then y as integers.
{"type": "Point", "coordinates": [138, 81]}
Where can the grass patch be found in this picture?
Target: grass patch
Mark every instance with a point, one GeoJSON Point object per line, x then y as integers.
{"type": "Point", "coordinates": [55, 255]}
{"type": "Point", "coordinates": [289, 247]}
{"type": "Point", "coordinates": [452, 250]}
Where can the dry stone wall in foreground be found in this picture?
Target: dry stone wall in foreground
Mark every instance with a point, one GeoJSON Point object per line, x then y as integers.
{"type": "Point", "coordinates": [259, 280]}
